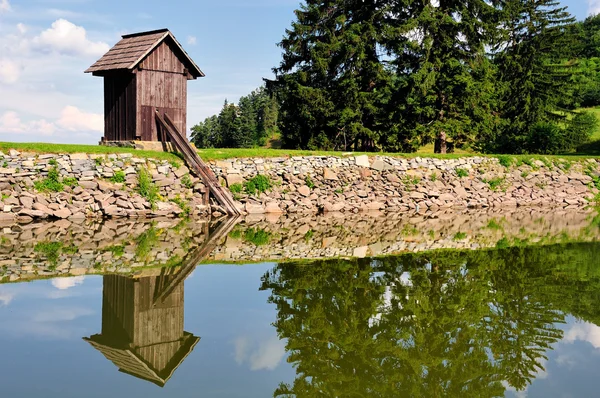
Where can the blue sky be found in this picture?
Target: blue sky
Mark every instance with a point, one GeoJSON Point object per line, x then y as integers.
{"type": "Point", "coordinates": [45, 45]}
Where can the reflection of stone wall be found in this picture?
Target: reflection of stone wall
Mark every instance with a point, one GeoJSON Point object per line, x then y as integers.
{"type": "Point", "coordinates": [372, 235]}
{"type": "Point", "coordinates": [62, 248]}
{"type": "Point", "coordinates": [77, 248]}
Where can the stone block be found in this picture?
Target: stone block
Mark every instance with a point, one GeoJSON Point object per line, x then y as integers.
{"type": "Point", "coordinates": [362, 161]}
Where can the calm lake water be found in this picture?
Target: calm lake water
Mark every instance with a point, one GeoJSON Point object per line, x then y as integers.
{"type": "Point", "coordinates": [516, 322]}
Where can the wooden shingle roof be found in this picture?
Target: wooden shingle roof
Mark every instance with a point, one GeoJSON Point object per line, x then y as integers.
{"type": "Point", "coordinates": [133, 48]}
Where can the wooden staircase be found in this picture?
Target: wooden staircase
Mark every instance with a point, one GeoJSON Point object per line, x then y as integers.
{"type": "Point", "coordinates": [192, 159]}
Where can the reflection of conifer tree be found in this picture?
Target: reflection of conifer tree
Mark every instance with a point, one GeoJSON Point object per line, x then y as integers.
{"type": "Point", "coordinates": [522, 319]}
{"type": "Point", "coordinates": [435, 320]}
{"type": "Point", "coordinates": [325, 312]}
{"type": "Point", "coordinates": [442, 324]}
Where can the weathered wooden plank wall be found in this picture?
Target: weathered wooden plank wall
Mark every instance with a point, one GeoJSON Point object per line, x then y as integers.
{"type": "Point", "coordinates": [162, 85]}
{"type": "Point", "coordinates": [120, 107]}
{"type": "Point", "coordinates": [118, 312]}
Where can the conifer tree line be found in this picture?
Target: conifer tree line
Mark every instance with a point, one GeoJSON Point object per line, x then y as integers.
{"type": "Point", "coordinates": [496, 76]}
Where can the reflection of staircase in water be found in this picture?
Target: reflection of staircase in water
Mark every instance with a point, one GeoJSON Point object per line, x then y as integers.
{"type": "Point", "coordinates": [142, 317]}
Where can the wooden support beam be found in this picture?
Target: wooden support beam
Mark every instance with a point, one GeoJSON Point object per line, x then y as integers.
{"type": "Point", "coordinates": [191, 157]}
{"type": "Point", "coordinates": [195, 257]}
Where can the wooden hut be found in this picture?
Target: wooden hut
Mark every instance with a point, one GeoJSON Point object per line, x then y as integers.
{"type": "Point", "coordinates": [144, 73]}
{"type": "Point", "coordinates": [142, 327]}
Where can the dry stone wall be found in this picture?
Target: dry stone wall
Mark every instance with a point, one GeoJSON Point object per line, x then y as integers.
{"type": "Point", "coordinates": [305, 185]}
{"type": "Point", "coordinates": [360, 183]}
{"type": "Point", "coordinates": [90, 190]}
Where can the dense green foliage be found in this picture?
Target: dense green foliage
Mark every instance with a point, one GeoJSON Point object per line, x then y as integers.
{"type": "Point", "coordinates": [446, 323]}
{"type": "Point", "coordinates": [245, 125]}
{"type": "Point", "coordinates": [394, 75]}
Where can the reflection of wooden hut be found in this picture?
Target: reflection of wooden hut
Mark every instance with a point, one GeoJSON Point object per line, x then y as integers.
{"type": "Point", "coordinates": [142, 317]}
{"type": "Point", "coordinates": [142, 327]}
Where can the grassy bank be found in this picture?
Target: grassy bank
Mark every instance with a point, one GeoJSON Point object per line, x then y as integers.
{"type": "Point", "coordinates": [40, 147]}
{"type": "Point", "coordinates": [230, 153]}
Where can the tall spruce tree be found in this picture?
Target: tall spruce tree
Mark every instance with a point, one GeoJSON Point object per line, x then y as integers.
{"type": "Point", "coordinates": [332, 80]}
{"type": "Point", "coordinates": [439, 53]}
{"type": "Point", "coordinates": [532, 74]}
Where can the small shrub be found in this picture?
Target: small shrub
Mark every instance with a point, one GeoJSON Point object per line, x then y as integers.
{"type": "Point", "coordinates": [70, 182]}
{"type": "Point", "coordinates": [309, 182]}
{"type": "Point", "coordinates": [258, 237]}
{"type": "Point", "coordinates": [119, 177]}
{"type": "Point", "coordinates": [187, 181]}
{"type": "Point", "coordinates": [146, 188]}
{"type": "Point", "coordinates": [308, 236]}
{"type": "Point", "coordinates": [462, 173]}
{"type": "Point", "coordinates": [409, 230]}
{"type": "Point", "coordinates": [528, 162]}
{"type": "Point", "coordinates": [53, 162]}
{"type": "Point", "coordinates": [5, 164]}
{"type": "Point", "coordinates": [236, 188]}
{"type": "Point", "coordinates": [460, 236]}
{"type": "Point", "coordinates": [546, 162]}
{"type": "Point", "coordinates": [505, 160]}
{"type": "Point", "coordinates": [50, 250]}
{"type": "Point", "coordinates": [175, 164]}
{"type": "Point", "coordinates": [117, 251]}
{"type": "Point", "coordinates": [51, 183]}
{"type": "Point", "coordinates": [495, 183]}
{"type": "Point", "coordinates": [235, 234]}
{"type": "Point", "coordinates": [494, 225]}
{"type": "Point", "coordinates": [183, 205]}
{"type": "Point", "coordinates": [408, 180]}
{"type": "Point", "coordinates": [99, 161]}
{"type": "Point", "coordinates": [145, 243]}
{"type": "Point", "coordinates": [524, 174]}
{"type": "Point", "coordinates": [433, 177]}
{"type": "Point", "coordinates": [257, 184]}
{"type": "Point", "coordinates": [339, 191]}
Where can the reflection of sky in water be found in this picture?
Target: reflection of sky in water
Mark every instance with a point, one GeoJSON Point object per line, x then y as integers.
{"type": "Point", "coordinates": [573, 366]}
{"type": "Point", "coordinates": [43, 354]}
{"type": "Point", "coordinates": [239, 354]}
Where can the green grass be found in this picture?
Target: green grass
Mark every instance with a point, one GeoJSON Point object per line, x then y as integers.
{"type": "Point", "coordinates": [230, 153]}
{"type": "Point", "coordinates": [40, 147]}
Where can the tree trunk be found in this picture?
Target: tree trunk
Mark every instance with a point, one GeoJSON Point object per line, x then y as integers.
{"type": "Point", "coordinates": [441, 143]}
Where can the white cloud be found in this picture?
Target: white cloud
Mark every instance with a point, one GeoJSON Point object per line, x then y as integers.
{"type": "Point", "coordinates": [266, 355]}
{"type": "Point", "coordinates": [584, 332]}
{"type": "Point", "coordinates": [6, 298]}
{"type": "Point", "coordinates": [73, 119]}
{"type": "Point", "coordinates": [191, 40]}
{"type": "Point", "coordinates": [67, 283]}
{"type": "Point", "coordinates": [9, 71]}
{"type": "Point", "coordinates": [593, 7]}
{"type": "Point", "coordinates": [66, 38]}
{"type": "Point", "coordinates": [21, 28]}
{"type": "Point", "coordinates": [10, 122]}
{"type": "Point", "coordinates": [4, 6]}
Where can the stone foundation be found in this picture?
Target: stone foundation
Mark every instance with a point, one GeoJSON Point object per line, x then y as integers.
{"type": "Point", "coordinates": [156, 146]}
